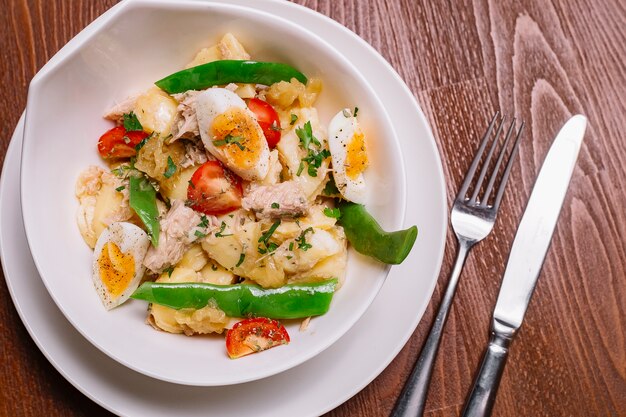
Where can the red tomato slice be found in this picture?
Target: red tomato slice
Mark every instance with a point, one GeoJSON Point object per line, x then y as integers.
{"type": "Point", "coordinates": [268, 120]}
{"type": "Point", "coordinates": [254, 335]}
{"type": "Point", "coordinates": [214, 190]}
{"type": "Point", "coordinates": [118, 143]}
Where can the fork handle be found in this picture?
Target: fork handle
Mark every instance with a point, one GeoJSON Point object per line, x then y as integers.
{"type": "Point", "coordinates": [483, 395]}
{"type": "Point", "coordinates": [413, 397]}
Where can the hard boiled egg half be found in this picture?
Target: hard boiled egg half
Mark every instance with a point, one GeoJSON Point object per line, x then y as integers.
{"type": "Point", "coordinates": [349, 156]}
{"type": "Point", "coordinates": [230, 131]}
{"type": "Point", "coordinates": [118, 262]}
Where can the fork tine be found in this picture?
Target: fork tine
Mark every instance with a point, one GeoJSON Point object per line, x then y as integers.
{"type": "Point", "coordinates": [483, 170]}
{"type": "Point", "coordinates": [509, 165]}
{"type": "Point", "coordinates": [496, 168]}
{"type": "Point", "coordinates": [470, 173]}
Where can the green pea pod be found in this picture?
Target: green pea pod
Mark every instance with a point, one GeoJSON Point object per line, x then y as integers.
{"type": "Point", "coordinates": [367, 237]}
{"type": "Point", "coordinates": [226, 72]}
{"type": "Point", "coordinates": [142, 199]}
{"type": "Point", "coordinates": [242, 300]}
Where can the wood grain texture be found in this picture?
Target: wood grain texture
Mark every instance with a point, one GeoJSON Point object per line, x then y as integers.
{"type": "Point", "coordinates": [539, 60]}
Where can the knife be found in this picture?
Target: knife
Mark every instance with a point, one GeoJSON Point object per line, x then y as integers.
{"type": "Point", "coordinates": [525, 261]}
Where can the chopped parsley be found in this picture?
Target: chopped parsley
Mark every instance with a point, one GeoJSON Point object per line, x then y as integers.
{"type": "Point", "coordinates": [241, 258]}
{"type": "Point", "coordinates": [300, 168]}
{"type": "Point", "coordinates": [314, 158]}
{"type": "Point", "coordinates": [142, 143]}
{"type": "Point", "coordinates": [230, 139]}
{"type": "Point", "coordinates": [291, 246]}
{"type": "Point", "coordinates": [275, 205]}
{"type": "Point", "coordinates": [265, 239]}
{"type": "Point", "coordinates": [301, 240]}
{"type": "Point", "coordinates": [330, 188]}
{"type": "Point", "coordinates": [199, 234]}
{"type": "Point", "coordinates": [171, 168]}
{"type": "Point", "coordinates": [305, 134]}
{"type": "Point", "coordinates": [220, 233]}
{"type": "Point", "coordinates": [294, 118]}
{"type": "Point", "coordinates": [314, 161]}
{"type": "Point", "coordinates": [169, 270]}
{"type": "Point", "coordinates": [204, 221]}
{"type": "Point", "coordinates": [131, 123]}
{"type": "Point", "coordinates": [332, 212]}
{"type": "Point", "coordinates": [120, 188]}
{"type": "Point", "coordinates": [356, 110]}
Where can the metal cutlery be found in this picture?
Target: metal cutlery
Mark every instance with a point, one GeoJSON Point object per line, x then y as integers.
{"type": "Point", "coordinates": [530, 246]}
{"type": "Point", "coordinates": [473, 216]}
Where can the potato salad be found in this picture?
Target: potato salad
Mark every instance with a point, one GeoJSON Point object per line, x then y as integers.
{"type": "Point", "coordinates": [222, 197]}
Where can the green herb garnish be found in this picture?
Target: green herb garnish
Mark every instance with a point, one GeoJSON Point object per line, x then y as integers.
{"type": "Point", "coordinates": [301, 240]}
{"type": "Point", "coordinates": [120, 188]}
{"type": "Point", "coordinates": [142, 143]}
{"type": "Point", "coordinates": [241, 258]}
{"type": "Point", "coordinates": [230, 139]}
{"type": "Point", "coordinates": [335, 213]}
{"type": "Point", "coordinates": [131, 123]}
{"type": "Point", "coordinates": [171, 168]}
{"type": "Point", "coordinates": [275, 205]}
{"type": "Point", "coordinates": [220, 233]}
{"type": "Point", "coordinates": [305, 134]}
{"type": "Point", "coordinates": [204, 221]}
{"type": "Point", "coordinates": [294, 118]}
{"type": "Point", "coordinates": [330, 189]}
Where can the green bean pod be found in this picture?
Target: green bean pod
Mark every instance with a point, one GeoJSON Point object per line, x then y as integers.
{"type": "Point", "coordinates": [226, 72]}
{"type": "Point", "coordinates": [142, 199]}
{"type": "Point", "coordinates": [367, 237]}
{"type": "Point", "coordinates": [243, 300]}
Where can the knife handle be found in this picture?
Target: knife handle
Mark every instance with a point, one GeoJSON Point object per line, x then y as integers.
{"type": "Point", "coordinates": [483, 395]}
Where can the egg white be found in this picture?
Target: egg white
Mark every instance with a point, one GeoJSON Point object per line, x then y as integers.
{"type": "Point", "coordinates": [341, 130]}
{"type": "Point", "coordinates": [215, 101]}
{"type": "Point", "coordinates": [131, 240]}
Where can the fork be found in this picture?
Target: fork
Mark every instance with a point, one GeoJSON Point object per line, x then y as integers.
{"type": "Point", "coordinates": [472, 220]}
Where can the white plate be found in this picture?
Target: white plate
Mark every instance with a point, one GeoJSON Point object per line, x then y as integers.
{"type": "Point", "coordinates": [350, 364]}
{"type": "Point", "coordinates": [90, 71]}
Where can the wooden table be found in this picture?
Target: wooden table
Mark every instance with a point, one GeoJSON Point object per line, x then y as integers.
{"type": "Point", "coordinates": [543, 61]}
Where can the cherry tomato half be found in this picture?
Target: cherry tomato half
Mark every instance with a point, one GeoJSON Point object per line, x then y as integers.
{"type": "Point", "coordinates": [119, 143]}
{"type": "Point", "coordinates": [254, 335]}
{"type": "Point", "coordinates": [214, 190]}
{"type": "Point", "coordinates": [268, 120]}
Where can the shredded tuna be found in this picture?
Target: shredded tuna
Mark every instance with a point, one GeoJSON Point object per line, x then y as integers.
{"type": "Point", "coordinates": [195, 154]}
{"type": "Point", "coordinates": [279, 200]}
{"type": "Point", "coordinates": [178, 232]}
{"type": "Point", "coordinates": [185, 125]}
{"type": "Point", "coordinates": [116, 113]}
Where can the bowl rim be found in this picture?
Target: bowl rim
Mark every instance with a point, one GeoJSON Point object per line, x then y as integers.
{"type": "Point", "coordinates": [73, 47]}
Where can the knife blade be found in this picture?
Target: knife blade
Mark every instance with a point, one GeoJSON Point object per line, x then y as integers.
{"type": "Point", "coordinates": [527, 256]}
{"type": "Point", "coordinates": [535, 230]}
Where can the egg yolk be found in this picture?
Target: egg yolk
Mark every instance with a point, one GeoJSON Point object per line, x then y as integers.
{"type": "Point", "coordinates": [237, 136]}
{"type": "Point", "coordinates": [116, 269]}
{"type": "Point", "coordinates": [356, 157]}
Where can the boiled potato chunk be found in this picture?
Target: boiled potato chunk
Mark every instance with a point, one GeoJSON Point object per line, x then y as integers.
{"type": "Point", "coordinates": [156, 111]}
{"type": "Point", "coordinates": [214, 273]}
{"type": "Point", "coordinates": [175, 188]}
{"type": "Point", "coordinates": [195, 258]}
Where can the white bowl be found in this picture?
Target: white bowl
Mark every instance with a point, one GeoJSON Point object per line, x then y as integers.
{"type": "Point", "coordinates": [137, 44]}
